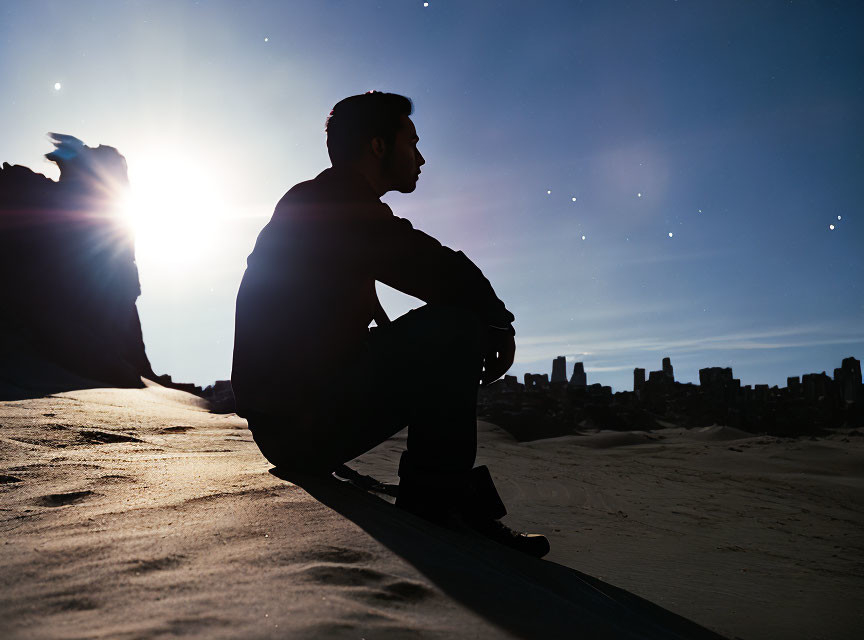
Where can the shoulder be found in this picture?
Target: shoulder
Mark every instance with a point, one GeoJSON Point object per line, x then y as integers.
{"type": "Point", "coordinates": [306, 192]}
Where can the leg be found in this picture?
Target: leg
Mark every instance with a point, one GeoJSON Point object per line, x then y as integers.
{"type": "Point", "coordinates": [427, 366]}
{"type": "Point", "coordinates": [421, 370]}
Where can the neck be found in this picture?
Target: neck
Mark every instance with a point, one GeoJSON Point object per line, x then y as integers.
{"type": "Point", "coordinates": [372, 175]}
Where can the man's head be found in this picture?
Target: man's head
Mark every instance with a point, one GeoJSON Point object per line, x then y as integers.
{"type": "Point", "coordinates": [372, 132]}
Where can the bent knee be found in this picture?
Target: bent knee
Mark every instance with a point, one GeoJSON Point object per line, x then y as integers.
{"type": "Point", "coordinates": [457, 323]}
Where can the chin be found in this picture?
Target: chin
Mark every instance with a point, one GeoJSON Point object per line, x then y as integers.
{"type": "Point", "coordinates": [407, 188]}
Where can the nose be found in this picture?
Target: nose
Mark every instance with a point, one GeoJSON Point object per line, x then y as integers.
{"type": "Point", "coordinates": [420, 159]}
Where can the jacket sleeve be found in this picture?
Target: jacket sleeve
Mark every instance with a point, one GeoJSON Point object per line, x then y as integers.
{"type": "Point", "coordinates": [415, 263]}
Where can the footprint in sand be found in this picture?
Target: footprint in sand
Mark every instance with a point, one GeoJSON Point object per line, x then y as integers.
{"type": "Point", "coordinates": [103, 437]}
{"type": "Point", "coordinates": [320, 555]}
{"type": "Point", "coordinates": [339, 555]}
{"type": "Point", "coordinates": [399, 591]}
{"type": "Point", "coordinates": [340, 575]}
{"type": "Point", "coordinates": [112, 478]}
{"type": "Point", "coordinates": [155, 564]}
{"type": "Point", "coordinates": [62, 499]}
{"type": "Point", "coordinates": [335, 569]}
{"type": "Point", "coordinates": [73, 603]}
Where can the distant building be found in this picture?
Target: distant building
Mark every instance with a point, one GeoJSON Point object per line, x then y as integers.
{"type": "Point", "coordinates": [806, 405]}
{"type": "Point", "coordinates": [578, 379]}
{"type": "Point", "coordinates": [667, 369]}
{"type": "Point", "coordinates": [222, 386]}
{"type": "Point", "coordinates": [166, 381]}
{"type": "Point", "coordinates": [815, 385]}
{"type": "Point", "coordinates": [536, 381]}
{"type": "Point", "coordinates": [509, 384]}
{"type": "Point", "coordinates": [657, 377]}
{"type": "Point", "coordinates": [559, 370]}
{"type": "Point", "coordinates": [715, 377]}
{"type": "Point", "coordinates": [638, 378]}
{"type": "Point", "coordinates": [853, 368]}
{"type": "Point", "coordinates": [848, 380]}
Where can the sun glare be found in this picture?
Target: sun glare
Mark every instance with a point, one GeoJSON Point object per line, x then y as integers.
{"type": "Point", "coordinates": [174, 208]}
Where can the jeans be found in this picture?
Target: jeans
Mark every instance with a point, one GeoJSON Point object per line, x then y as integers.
{"type": "Point", "coordinates": [421, 371]}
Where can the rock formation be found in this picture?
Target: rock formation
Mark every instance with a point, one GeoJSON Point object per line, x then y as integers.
{"type": "Point", "coordinates": [68, 276]}
{"type": "Point", "coordinates": [221, 396]}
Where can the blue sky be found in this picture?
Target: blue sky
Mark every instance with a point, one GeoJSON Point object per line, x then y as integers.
{"type": "Point", "coordinates": [739, 123]}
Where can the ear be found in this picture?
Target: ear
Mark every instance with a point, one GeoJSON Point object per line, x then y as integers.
{"type": "Point", "coordinates": [379, 147]}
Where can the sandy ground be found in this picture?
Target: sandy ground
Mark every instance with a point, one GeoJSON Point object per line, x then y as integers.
{"type": "Point", "coordinates": [137, 514]}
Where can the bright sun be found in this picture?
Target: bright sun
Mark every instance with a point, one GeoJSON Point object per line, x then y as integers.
{"type": "Point", "coordinates": [174, 208]}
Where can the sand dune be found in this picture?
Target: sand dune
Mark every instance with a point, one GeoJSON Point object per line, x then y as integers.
{"type": "Point", "coordinates": [138, 514]}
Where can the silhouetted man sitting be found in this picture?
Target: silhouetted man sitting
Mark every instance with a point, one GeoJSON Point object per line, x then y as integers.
{"type": "Point", "coordinates": [317, 386]}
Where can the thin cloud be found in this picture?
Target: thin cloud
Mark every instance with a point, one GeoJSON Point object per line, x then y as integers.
{"type": "Point", "coordinates": [606, 343]}
{"type": "Point", "coordinates": [623, 367]}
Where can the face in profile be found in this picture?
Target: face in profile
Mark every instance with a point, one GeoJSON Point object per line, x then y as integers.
{"type": "Point", "coordinates": [402, 164]}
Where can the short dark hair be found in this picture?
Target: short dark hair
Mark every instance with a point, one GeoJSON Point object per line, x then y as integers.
{"type": "Point", "coordinates": [354, 121]}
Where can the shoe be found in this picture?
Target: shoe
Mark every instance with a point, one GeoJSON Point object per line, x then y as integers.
{"type": "Point", "coordinates": [428, 505]}
{"type": "Point", "coordinates": [533, 544]}
{"type": "Point", "coordinates": [434, 510]}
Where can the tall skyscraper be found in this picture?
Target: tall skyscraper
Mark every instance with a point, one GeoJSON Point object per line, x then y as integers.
{"type": "Point", "coordinates": [559, 369]}
{"type": "Point", "coordinates": [638, 378]}
{"type": "Point", "coordinates": [578, 379]}
{"type": "Point", "coordinates": [667, 369]}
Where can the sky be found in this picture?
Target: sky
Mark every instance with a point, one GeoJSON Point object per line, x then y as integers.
{"type": "Point", "coordinates": [637, 179]}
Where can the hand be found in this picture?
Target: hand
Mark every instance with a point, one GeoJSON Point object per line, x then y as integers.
{"type": "Point", "coordinates": [501, 349]}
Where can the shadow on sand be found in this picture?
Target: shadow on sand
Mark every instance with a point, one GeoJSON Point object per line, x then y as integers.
{"type": "Point", "coordinates": [525, 597]}
{"type": "Point", "coordinates": [25, 374]}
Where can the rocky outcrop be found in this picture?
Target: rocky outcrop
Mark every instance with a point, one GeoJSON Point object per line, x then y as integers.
{"type": "Point", "coordinates": [68, 278]}
{"type": "Point", "coordinates": [220, 395]}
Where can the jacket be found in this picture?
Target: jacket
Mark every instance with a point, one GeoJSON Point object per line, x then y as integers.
{"type": "Point", "coordinates": [308, 294]}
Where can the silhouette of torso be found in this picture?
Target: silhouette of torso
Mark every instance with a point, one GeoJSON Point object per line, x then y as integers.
{"type": "Point", "coordinates": [308, 295]}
